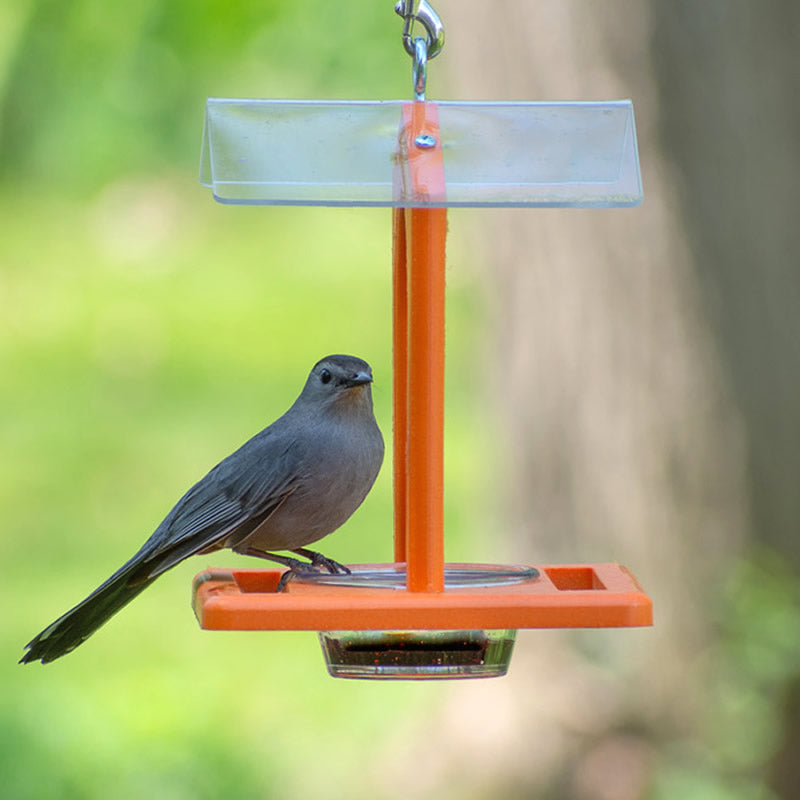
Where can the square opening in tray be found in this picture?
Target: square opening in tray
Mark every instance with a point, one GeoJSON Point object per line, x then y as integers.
{"type": "Point", "coordinates": [572, 578]}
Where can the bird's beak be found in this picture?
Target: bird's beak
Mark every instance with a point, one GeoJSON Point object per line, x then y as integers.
{"type": "Point", "coordinates": [359, 379]}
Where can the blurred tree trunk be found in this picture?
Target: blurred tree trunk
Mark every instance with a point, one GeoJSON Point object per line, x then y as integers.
{"type": "Point", "coordinates": [729, 79]}
{"type": "Point", "coordinates": [729, 82]}
{"type": "Point", "coordinates": [648, 361]}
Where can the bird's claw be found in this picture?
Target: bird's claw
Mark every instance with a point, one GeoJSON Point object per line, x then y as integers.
{"type": "Point", "coordinates": [318, 561]}
{"type": "Point", "coordinates": [295, 568]}
{"type": "Point", "coordinates": [334, 567]}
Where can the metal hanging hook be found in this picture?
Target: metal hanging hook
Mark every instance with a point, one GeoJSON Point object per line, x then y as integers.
{"type": "Point", "coordinates": [421, 11]}
{"type": "Point", "coordinates": [420, 72]}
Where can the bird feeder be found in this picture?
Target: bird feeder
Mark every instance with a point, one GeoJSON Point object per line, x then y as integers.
{"type": "Point", "coordinates": [419, 617]}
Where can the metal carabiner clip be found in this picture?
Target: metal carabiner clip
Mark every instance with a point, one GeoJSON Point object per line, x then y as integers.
{"type": "Point", "coordinates": [421, 10]}
{"type": "Point", "coordinates": [419, 71]}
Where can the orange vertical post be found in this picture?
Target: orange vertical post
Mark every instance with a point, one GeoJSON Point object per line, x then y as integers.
{"type": "Point", "coordinates": [400, 378]}
{"type": "Point", "coordinates": [419, 352]}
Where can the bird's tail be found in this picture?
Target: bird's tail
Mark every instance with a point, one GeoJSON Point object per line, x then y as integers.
{"type": "Point", "coordinates": [78, 624]}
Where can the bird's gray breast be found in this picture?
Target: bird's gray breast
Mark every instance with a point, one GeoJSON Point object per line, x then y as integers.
{"type": "Point", "coordinates": [335, 466]}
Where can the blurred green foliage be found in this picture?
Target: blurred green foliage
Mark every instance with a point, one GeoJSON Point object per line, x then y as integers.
{"type": "Point", "coordinates": [749, 670]}
{"type": "Point", "coordinates": [92, 90]}
{"type": "Point", "coordinates": [145, 332]}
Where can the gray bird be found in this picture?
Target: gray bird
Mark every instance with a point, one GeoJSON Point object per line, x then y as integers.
{"type": "Point", "coordinates": [290, 485]}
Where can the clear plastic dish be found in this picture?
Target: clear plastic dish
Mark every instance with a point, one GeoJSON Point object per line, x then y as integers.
{"type": "Point", "coordinates": [393, 576]}
{"type": "Point", "coordinates": [412, 655]}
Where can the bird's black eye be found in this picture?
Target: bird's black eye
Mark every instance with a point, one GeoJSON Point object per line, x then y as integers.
{"type": "Point", "coordinates": [325, 376]}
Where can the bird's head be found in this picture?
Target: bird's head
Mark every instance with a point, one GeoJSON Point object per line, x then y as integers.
{"type": "Point", "coordinates": [339, 380]}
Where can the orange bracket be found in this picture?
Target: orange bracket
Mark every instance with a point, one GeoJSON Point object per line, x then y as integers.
{"type": "Point", "coordinates": [594, 595]}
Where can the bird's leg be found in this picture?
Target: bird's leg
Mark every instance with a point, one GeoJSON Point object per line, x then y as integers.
{"type": "Point", "coordinates": [319, 560]}
{"type": "Point", "coordinates": [296, 567]}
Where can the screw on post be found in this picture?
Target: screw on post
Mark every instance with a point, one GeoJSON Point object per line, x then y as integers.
{"type": "Point", "coordinates": [425, 141]}
{"type": "Point", "coordinates": [420, 48]}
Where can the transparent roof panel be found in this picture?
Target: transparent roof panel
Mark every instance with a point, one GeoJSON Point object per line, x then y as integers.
{"type": "Point", "coordinates": [344, 153]}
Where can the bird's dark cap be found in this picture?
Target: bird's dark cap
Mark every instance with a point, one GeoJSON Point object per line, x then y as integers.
{"type": "Point", "coordinates": [345, 363]}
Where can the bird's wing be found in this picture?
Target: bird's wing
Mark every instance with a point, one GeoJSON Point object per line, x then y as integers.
{"type": "Point", "coordinates": [245, 488]}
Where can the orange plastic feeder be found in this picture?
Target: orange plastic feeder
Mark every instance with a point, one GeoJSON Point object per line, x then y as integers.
{"type": "Point", "coordinates": [420, 617]}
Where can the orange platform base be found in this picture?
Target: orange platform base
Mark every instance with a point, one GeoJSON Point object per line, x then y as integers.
{"type": "Point", "coordinates": [564, 596]}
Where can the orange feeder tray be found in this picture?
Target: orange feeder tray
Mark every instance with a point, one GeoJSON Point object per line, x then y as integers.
{"type": "Point", "coordinates": [419, 617]}
{"type": "Point", "coordinates": [560, 596]}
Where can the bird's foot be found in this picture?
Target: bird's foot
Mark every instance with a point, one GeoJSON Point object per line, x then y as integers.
{"type": "Point", "coordinates": [318, 560]}
{"type": "Point", "coordinates": [290, 573]}
{"type": "Point", "coordinates": [297, 567]}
